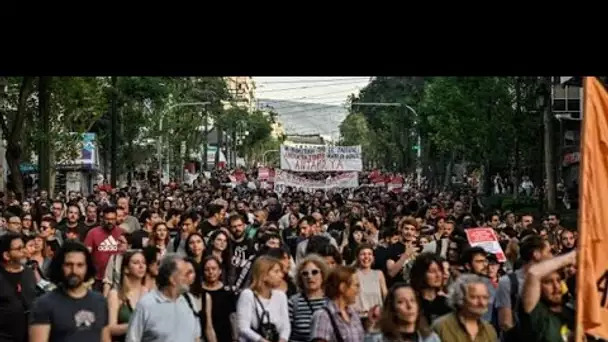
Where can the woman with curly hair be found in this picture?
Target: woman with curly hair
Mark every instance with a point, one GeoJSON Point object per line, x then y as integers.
{"type": "Point", "coordinates": [426, 278]}
{"type": "Point", "coordinates": [219, 247]}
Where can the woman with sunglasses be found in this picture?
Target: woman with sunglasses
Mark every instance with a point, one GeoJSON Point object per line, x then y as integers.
{"type": "Point", "coordinates": [401, 319]}
{"type": "Point", "coordinates": [311, 274]}
{"type": "Point", "coordinates": [123, 299]}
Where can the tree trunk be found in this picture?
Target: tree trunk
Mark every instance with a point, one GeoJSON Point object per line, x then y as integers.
{"type": "Point", "coordinates": [44, 154]}
{"type": "Point", "coordinates": [548, 142]}
{"type": "Point", "coordinates": [3, 101]}
{"type": "Point", "coordinates": [114, 134]}
{"type": "Point", "coordinates": [14, 133]}
{"type": "Point", "coordinates": [448, 170]}
{"type": "Point", "coordinates": [515, 174]}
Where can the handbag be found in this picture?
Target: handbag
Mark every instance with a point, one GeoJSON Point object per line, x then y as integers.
{"type": "Point", "coordinates": [267, 330]}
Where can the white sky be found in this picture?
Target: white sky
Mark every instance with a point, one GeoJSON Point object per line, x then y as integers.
{"type": "Point", "coordinates": [326, 90]}
{"type": "Point", "coordinates": [331, 91]}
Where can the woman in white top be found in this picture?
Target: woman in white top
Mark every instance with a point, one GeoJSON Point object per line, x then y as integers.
{"type": "Point", "coordinates": [373, 284]}
{"type": "Point", "coordinates": [262, 310]}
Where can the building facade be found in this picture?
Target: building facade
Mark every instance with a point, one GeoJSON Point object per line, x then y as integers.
{"type": "Point", "coordinates": [567, 105]}
{"type": "Point", "coordinates": [243, 90]}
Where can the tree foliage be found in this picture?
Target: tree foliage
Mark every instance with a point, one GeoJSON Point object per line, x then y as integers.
{"type": "Point", "coordinates": [491, 122]}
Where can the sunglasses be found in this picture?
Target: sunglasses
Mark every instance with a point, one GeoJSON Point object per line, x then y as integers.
{"type": "Point", "coordinates": [311, 273]}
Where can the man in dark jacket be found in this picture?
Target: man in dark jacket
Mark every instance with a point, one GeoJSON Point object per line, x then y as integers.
{"type": "Point", "coordinates": [17, 289]}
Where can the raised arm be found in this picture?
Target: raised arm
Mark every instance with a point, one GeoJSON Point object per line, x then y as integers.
{"type": "Point", "coordinates": [531, 292]}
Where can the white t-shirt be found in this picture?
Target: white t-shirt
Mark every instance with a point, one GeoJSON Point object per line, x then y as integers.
{"type": "Point", "coordinates": [278, 311]}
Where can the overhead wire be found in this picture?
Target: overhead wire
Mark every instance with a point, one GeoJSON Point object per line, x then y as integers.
{"type": "Point", "coordinates": [308, 87]}
{"type": "Point", "coordinates": [316, 81]}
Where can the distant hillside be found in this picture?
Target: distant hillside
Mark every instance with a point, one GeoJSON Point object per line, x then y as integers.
{"type": "Point", "coordinates": [306, 118]}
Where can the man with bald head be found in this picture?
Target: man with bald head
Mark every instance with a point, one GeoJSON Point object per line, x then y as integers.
{"type": "Point", "coordinates": [131, 223]}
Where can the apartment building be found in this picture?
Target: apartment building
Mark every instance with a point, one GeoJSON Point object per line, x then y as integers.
{"type": "Point", "coordinates": [567, 105]}
{"type": "Point", "coordinates": [243, 90]}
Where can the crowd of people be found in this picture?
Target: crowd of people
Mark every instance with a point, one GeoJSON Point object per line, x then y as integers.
{"type": "Point", "coordinates": [211, 262]}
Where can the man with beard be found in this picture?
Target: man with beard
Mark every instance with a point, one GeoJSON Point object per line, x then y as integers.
{"type": "Point", "coordinates": [71, 312]}
{"type": "Point", "coordinates": [476, 261]}
{"type": "Point", "coordinates": [543, 315]}
{"type": "Point", "coordinates": [72, 227]}
{"type": "Point", "coordinates": [440, 246]}
{"type": "Point", "coordinates": [102, 242]}
{"type": "Point", "coordinates": [90, 220]}
{"type": "Point", "coordinates": [151, 322]}
{"type": "Point", "coordinates": [217, 213]}
{"type": "Point", "coordinates": [17, 289]}
{"type": "Point", "coordinates": [567, 241]}
{"type": "Point", "coordinates": [260, 217]}
{"type": "Point", "coordinates": [532, 249]}
{"type": "Point", "coordinates": [243, 251]}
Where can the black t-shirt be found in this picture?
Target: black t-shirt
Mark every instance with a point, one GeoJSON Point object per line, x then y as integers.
{"type": "Point", "coordinates": [241, 253]}
{"type": "Point", "coordinates": [394, 253]}
{"type": "Point", "coordinates": [207, 228]}
{"type": "Point", "coordinates": [139, 239]}
{"type": "Point", "coordinates": [17, 294]}
{"type": "Point", "coordinates": [223, 305]}
{"type": "Point", "coordinates": [81, 229]}
{"type": "Point", "coordinates": [381, 256]}
{"type": "Point", "coordinates": [435, 308]}
{"type": "Point", "coordinates": [71, 319]}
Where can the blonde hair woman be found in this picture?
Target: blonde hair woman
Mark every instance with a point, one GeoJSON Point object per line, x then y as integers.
{"type": "Point", "coordinates": [262, 310]}
{"type": "Point", "coordinates": [311, 274]}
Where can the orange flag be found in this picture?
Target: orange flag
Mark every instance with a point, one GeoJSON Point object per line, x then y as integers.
{"type": "Point", "coordinates": [592, 272]}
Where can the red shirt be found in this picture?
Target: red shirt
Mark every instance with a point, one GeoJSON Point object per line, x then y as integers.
{"type": "Point", "coordinates": [103, 244]}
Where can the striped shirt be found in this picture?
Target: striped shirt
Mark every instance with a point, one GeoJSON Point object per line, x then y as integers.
{"type": "Point", "coordinates": [300, 316]}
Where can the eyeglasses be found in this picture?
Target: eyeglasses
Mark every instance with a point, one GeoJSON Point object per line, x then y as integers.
{"type": "Point", "coordinates": [311, 273]}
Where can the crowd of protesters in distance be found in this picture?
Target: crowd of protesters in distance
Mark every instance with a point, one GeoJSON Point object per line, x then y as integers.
{"type": "Point", "coordinates": [217, 262]}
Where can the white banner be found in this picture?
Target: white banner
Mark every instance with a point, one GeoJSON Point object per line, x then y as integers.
{"type": "Point", "coordinates": [283, 179]}
{"type": "Point", "coordinates": [321, 158]}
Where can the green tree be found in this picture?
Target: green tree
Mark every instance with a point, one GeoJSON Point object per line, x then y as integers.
{"type": "Point", "coordinates": [392, 128]}
{"type": "Point", "coordinates": [354, 130]}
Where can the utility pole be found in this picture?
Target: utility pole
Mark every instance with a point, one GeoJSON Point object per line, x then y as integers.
{"type": "Point", "coordinates": [416, 122]}
{"type": "Point", "coordinates": [205, 141]}
{"type": "Point", "coordinates": [114, 128]}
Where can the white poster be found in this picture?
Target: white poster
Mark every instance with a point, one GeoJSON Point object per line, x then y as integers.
{"type": "Point", "coordinates": [283, 179]}
{"type": "Point", "coordinates": [321, 158]}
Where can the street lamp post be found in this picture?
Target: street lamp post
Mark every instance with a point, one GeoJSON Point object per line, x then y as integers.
{"type": "Point", "coordinates": [419, 140]}
{"type": "Point", "coordinates": [160, 126]}
{"type": "Point", "coordinates": [264, 156]}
